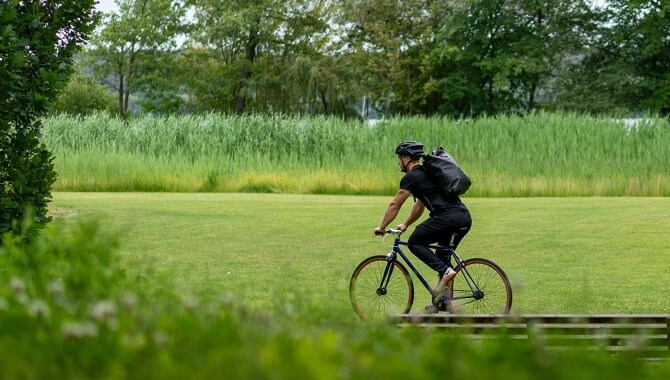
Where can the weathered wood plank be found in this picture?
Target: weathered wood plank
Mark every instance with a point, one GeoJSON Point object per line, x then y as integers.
{"type": "Point", "coordinates": [648, 334]}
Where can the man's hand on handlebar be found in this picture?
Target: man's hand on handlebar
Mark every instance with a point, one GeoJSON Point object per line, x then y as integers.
{"type": "Point", "coordinates": [378, 231]}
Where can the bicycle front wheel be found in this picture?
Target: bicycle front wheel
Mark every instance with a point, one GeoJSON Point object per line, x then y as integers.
{"type": "Point", "coordinates": [480, 287]}
{"type": "Point", "coordinates": [379, 288]}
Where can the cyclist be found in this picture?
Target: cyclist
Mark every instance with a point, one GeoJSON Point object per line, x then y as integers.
{"type": "Point", "coordinates": [447, 215]}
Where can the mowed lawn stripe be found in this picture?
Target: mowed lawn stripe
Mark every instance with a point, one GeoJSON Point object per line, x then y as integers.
{"type": "Point", "coordinates": [297, 252]}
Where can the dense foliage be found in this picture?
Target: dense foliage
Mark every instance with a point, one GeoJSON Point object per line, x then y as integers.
{"type": "Point", "coordinates": [129, 49]}
{"type": "Point", "coordinates": [400, 57]}
{"type": "Point", "coordinates": [83, 96]}
{"type": "Point", "coordinates": [37, 42]}
{"type": "Point", "coordinates": [628, 63]}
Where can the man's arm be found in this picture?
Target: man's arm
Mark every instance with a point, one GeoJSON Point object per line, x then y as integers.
{"type": "Point", "coordinates": [392, 210]}
{"type": "Point", "coordinates": [415, 214]}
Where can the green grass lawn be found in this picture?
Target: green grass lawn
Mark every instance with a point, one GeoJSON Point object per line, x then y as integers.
{"type": "Point", "coordinates": [294, 254]}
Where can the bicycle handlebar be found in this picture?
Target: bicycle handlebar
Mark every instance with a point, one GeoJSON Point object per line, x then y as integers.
{"type": "Point", "coordinates": [392, 231]}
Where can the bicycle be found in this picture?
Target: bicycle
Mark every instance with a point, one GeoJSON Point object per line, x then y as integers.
{"type": "Point", "coordinates": [382, 285]}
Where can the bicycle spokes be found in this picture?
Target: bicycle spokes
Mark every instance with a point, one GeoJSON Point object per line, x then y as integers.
{"type": "Point", "coordinates": [379, 288]}
{"type": "Point", "coordinates": [480, 287]}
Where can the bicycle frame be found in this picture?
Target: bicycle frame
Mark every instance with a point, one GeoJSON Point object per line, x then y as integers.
{"type": "Point", "coordinates": [392, 256]}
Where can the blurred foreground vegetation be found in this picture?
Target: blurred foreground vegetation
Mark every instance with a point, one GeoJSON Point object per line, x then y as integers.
{"type": "Point", "coordinates": [68, 309]}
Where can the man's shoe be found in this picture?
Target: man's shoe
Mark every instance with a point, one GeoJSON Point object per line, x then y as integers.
{"type": "Point", "coordinates": [440, 306]}
{"type": "Point", "coordinates": [444, 284]}
{"type": "Point", "coordinates": [431, 309]}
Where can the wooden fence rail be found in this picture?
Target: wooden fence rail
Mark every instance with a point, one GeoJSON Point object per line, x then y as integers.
{"type": "Point", "coordinates": [646, 334]}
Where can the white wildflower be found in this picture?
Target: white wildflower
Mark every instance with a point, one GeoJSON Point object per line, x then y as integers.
{"type": "Point", "coordinates": [190, 303]}
{"type": "Point", "coordinates": [38, 308]}
{"type": "Point", "coordinates": [129, 301]}
{"type": "Point", "coordinates": [56, 288]}
{"type": "Point", "coordinates": [79, 330]}
{"type": "Point", "coordinates": [103, 310]}
{"type": "Point", "coordinates": [161, 338]}
{"type": "Point", "coordinates": [17, 285]}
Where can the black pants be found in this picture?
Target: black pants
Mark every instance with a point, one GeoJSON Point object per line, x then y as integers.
{"type": "Point", "coordinates": [438, 229]}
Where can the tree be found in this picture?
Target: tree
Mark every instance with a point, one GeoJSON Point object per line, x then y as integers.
{"type": "Point", "coordinates": [83, 95]}
{"type": "Point", "coordinates": [37, 43]}
{"type": "Point", "coordinates": [245, 53]}
{"type": "Point", "coordinates": [132, 44]}
{"type": "Point", "coordinates": [627, 68]}
{"type": "Point", "coordinates": [463, 57]}
{"type": "Point", "coordinates": [325, 85]}
{"type": "Point", "coordinates": [162, 88]}
{"type": "Point", "coordinates": [389, 40]}
{"type": "Point", "coordinates": [546, 34]}
{"type": "Point", "coordinates": [497, 56]}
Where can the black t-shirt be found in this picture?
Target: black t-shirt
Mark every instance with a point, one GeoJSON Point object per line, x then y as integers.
{"type": "Point", "coordinates": [417, 182]}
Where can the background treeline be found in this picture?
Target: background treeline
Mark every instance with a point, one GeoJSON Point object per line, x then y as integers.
{"type": "Point", "coordinates": [540, 154]}
{"type": "Point", "coordinates": [401, 57]}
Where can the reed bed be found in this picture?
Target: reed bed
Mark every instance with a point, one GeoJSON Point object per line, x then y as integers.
{"type": "Point", "coordinates": [544, 154]}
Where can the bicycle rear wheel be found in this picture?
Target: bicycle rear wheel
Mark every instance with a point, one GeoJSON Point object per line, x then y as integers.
{"type": "Point", "coordinates": [480, 287]}
{"type": "Point", "coordinates": [375, 297]}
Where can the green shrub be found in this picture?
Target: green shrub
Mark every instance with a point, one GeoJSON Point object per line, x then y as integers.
{"type": "Point", "coordinates": [37, 42]}
{"type": "Point", "coordinates": [83, 96]}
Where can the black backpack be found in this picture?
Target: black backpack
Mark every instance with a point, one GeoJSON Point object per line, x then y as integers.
{"type": "Point", "coordinates": [445, 173]}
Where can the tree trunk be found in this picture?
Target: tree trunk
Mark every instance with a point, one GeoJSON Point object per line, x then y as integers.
{"type": "Point", "coordinates": [531, 95]}
{"type": "Point", "coordinates": [535, 81]}
{"type": "Point", "coordinates": [241, 98]}
{"type": "Point", "coordinates": [324, 102]}
{"type": "Point", "coordinates": [490, 97]}
{"type": "Point", "coordinates": [125, 100]}
{"type": "Point", "coordinates": [129, 78]}
{"type": "Point", "coordinates": [120, 97]}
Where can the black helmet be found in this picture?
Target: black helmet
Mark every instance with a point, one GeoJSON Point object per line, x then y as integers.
{"type": "Point", "coordinates": [410, 148]}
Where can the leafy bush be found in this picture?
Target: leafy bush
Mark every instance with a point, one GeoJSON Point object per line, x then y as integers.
{"type": "Point", "coordinates": [37, 41]}
{"type": "Point", "coordinates": [83, 96]}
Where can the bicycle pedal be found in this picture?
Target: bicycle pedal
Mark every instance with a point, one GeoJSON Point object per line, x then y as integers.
{"type": "Point", "coordinates": [443, 305]}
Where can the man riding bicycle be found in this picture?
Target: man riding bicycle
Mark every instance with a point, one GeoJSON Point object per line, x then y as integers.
{"type": "Point", "coordinates": [448, 215]}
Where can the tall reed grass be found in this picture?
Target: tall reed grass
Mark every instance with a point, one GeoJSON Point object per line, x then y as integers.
{"type": "Point", "coordinates": [544, 154]}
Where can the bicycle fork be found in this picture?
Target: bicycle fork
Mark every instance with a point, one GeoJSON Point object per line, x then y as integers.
{"type": "Point", "coordinates": [388, 271]}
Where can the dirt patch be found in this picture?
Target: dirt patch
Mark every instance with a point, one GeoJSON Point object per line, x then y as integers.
{"type": "Point", "coordinates": [62, 212]}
